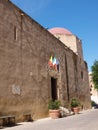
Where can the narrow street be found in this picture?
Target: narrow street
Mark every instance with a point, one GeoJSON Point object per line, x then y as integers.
{"type": "Point", "coordinates": [86, 120]}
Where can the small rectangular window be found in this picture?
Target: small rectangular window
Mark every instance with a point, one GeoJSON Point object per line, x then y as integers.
{"type": "Point", "coordinates": [82, 74]}
{"type": "Point", "coordinates": [15, 33]}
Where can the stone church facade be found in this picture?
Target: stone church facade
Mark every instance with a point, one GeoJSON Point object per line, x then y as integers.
{"type": "Point", "coordinates": [36, 66]}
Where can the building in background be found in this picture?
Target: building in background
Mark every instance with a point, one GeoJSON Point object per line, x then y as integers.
{"type": "Point", "coordinates": [36, 66]}
{"type": "Point", "coordinates": [93, 91]}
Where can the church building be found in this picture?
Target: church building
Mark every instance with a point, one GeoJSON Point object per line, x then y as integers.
{"type": "Point", "coordinates": [37, 65]}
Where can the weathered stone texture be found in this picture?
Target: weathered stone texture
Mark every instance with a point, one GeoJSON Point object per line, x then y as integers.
{"type": "Point", "coordinates": [25, 77]}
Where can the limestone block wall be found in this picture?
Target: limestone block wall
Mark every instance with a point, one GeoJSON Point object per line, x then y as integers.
{"type": "Point", "coordinates": [79, 47]}
{"type": "Point", "coordinates": [72, 42]}
{"type": "Point", "coordinates": [68, 40]}
{"type": "Point", "coordinates": [23, 81]}
{"type": "Point", "coordinates": [83, 90]}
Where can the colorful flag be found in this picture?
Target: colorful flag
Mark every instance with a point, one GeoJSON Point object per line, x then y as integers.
{"type": "Point", "coordinates": [54, 63]}
{"type": "Point", "coordinates": [57, 63]}
{"type": "Point", "coordinates": [50, 62]}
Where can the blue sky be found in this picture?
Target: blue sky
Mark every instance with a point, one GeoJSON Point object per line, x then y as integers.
{"type": "Point", "coordinates": [78, 16]}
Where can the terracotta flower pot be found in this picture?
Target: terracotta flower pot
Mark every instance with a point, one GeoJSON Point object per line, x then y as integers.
{"type": "Point", "coordinates": [54, 114]}
{"type": "Point", "coordinates": [76, 110]}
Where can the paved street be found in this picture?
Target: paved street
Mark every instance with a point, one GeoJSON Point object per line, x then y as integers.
{"type": "Point", "coordinates": [86, 120]}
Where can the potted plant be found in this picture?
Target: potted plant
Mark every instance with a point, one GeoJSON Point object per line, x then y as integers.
{"type": "Point", "coordinates": [54, 110]}
{"type": "Point", "coordinates": [75, 103]}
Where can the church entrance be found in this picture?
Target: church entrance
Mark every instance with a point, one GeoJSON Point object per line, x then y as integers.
{"type": "Point", "coordinates": [53, 88]}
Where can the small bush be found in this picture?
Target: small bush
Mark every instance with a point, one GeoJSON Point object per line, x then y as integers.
{"type": "Point", "coordinates": [54, 105]}
{"type": "Point", "coordinates": [75, 102]}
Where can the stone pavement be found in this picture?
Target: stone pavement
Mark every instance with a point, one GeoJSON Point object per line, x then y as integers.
{"type": "Point", "coordinates": [86, 120]}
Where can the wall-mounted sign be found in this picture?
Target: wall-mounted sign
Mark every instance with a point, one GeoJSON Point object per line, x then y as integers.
{"type": "Point", "coordinates": [16, 89]}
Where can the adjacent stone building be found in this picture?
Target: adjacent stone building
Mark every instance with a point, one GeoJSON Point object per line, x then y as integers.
{"type": "Point", "coordinates": [35, 66]}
